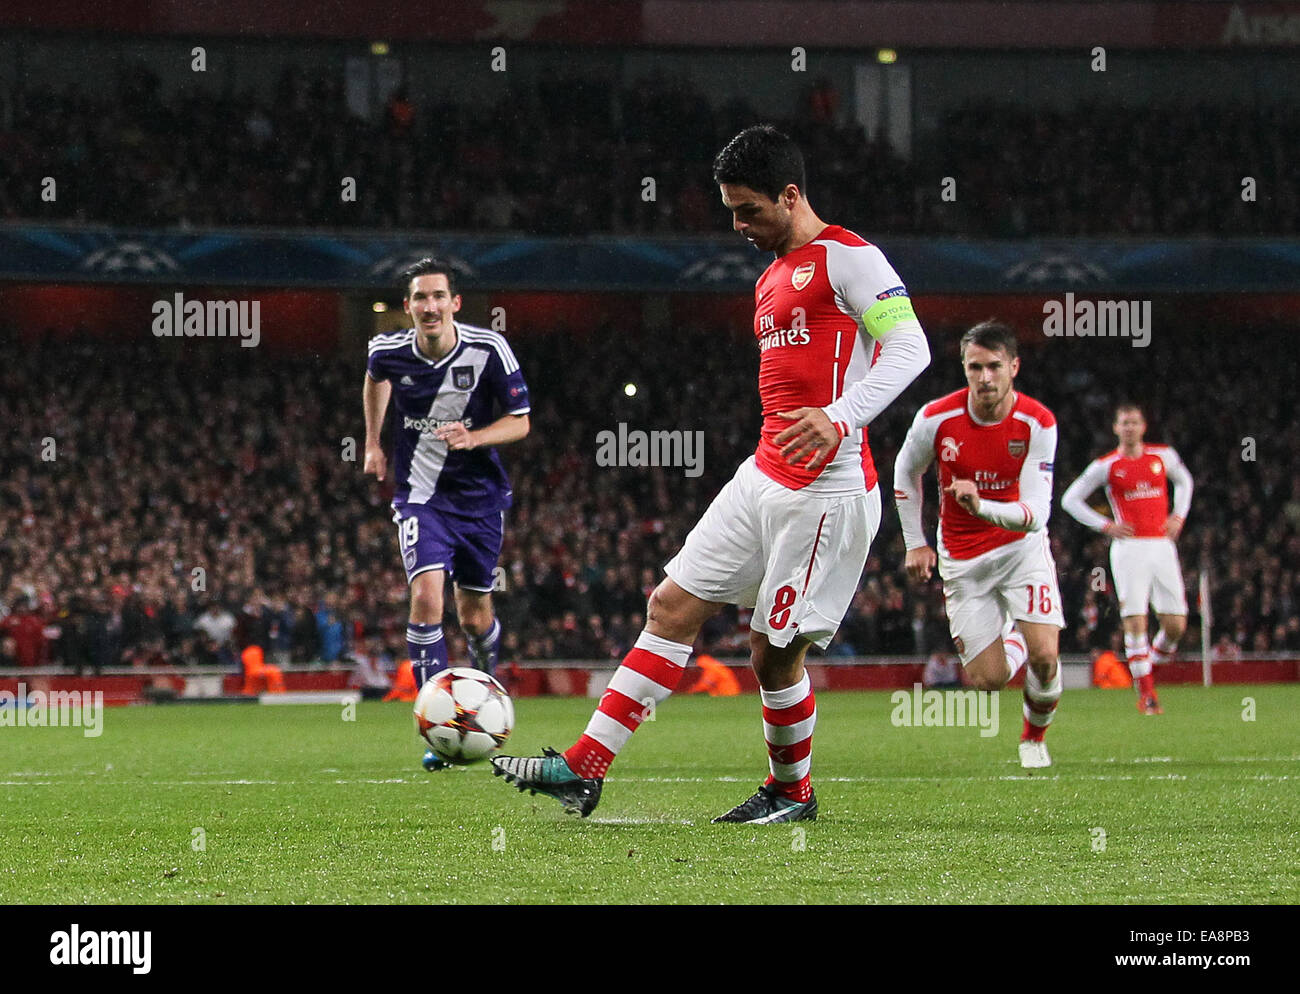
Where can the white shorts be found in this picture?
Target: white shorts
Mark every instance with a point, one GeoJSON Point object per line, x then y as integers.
{"type": "Point", "coordinates": [1014, 582]}
{"type": "Point", "coordinates": [795, 558]}
{"type": "Point", "coordinates": [1147, 574]}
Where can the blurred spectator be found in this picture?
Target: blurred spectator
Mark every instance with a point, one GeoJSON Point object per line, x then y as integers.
{"type": "Point", "coordinates": [942, 671]}
{"type": "Point", "coordinates": [372, 670]}
{"type": "Point", "coordinates": [333, 633]}
{"type": "Point", "coordinates": [400, 114]}
{"type": "Point", "coordinates": [280, 631]}
{"type": "Point", "coordinates": [218, 625]}
{"type": "Point", "coordinates": [823, 102]}
{"type": "Point", "coordinates": [1225, 651]}
{"type": "Point", "coordinates": [27, 632]}
{"type": "Point", "coordinates": [306, 634]}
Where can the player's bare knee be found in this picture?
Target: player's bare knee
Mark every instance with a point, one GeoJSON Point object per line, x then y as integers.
{"type": "Point", "coordinates": [984, 680]}
{"type": "Point", "coordinates": [476, 621]}
{"type": "Point", "coordinates": [1174, 628]}
{"type": "Point", "coordinates": [426, 612]}
{"type": "Point", "coordinates": [1042, 655]}
{"type": "Point", "coordinates": [1136, 625]}
{"type": "Point", "coordinates": [674, 614]}
{"type": "Point", "coordinates": [989, 670]}
{"type": "Point", "coordinates": [663, 608]}
{"type": "Point", "coordinates": [426, 604]}
{"type": "Point", "coordinates": [776, 667]}
{"type": "Point", "coordinates": [475, 612]}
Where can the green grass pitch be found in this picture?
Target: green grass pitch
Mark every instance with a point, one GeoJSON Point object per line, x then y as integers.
{"type": "Point", "coordinates": [213, 804]}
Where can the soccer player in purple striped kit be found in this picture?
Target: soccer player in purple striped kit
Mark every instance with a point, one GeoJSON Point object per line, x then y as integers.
{"type": "Point", "coordinates": [457, 392]}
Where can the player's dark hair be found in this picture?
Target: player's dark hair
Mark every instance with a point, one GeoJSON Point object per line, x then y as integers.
{"type": "Point", "coordinates": [991, 335]}
{"type": "Point", "coordinates": [428, 266]}
{"type": "Point", "coordinates": [1128, 405]}
{"type": "Point", "coordinates": [763, 159]}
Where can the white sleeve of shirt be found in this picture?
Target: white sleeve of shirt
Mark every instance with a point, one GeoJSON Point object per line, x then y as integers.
{"type": "Point", "coordinates": [1031, 511]}
{"type": "Point", "coordinates": [904, 355]}
{"type": "Point", "coordinates": [1075, 499]}
{"type": "Point", "coordinates": [913, 460]}
{"type": "Point", "coordinates": [868, 287]}
{"type": "Point", "coordinates": [1176, 472]}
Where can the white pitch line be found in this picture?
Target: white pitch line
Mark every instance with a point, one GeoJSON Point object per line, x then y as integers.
{"type": "Point", "coordinates": [1178, 759]}
{"type": "Point", "coordinates": [1041, 778]}
{"type": "Point", "coordinates": [390, 780]}
{"type": "Point", "coordinates": [1138, 759]}
{"type": "Point", "coordinates": [1056, 775]}
{"type": "Point", "coordinates": [1052, 777]}
{"type": "Point", "coordinates": [1108, 761]}
{"type": "Point", "coordinates": [641, 821]}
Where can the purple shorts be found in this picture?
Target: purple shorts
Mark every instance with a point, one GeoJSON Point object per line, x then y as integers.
{"type": "Point", "coordinates": [466, 549]}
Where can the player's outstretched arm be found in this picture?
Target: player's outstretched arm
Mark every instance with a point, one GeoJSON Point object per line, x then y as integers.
{"type": "Point", "coordinates": [1075, 502]}
{"type": "Point", "coordinates": [504, 430]}
{"type": "Point", "coordinates": [904, 355]}
{"type": "Point", "coordinates": [374, 402]}
{"type": "Point", "coordinates": [871, 290]}
{"type": "Point", "coordinates": [1031, 511]}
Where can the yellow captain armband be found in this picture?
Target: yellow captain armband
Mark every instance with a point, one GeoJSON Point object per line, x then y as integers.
{"type": "Point", "coordinates": [885, 315]}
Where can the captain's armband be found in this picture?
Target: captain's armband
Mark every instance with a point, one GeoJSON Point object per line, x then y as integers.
{"type": "Point", "coordinates": [889, 311]}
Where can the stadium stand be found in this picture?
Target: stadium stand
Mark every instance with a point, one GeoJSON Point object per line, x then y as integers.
{"type": "Point", "coordinates": [170, 461]}
{"type": "Point", "coordinates": [543, 159]}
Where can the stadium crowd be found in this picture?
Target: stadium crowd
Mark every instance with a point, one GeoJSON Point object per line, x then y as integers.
{"type": "Point", "coordinates": [569, 155]}
{"type": "Point", "coordinates": [182, 503]}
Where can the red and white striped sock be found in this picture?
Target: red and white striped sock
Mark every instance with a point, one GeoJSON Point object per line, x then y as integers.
{"type": "Point", "coordinates": [789, 717]}
{"type": "Point", "coordinates": [648, 675]}
{"type": "Point", "coordinates": [1163, 648]}
{"type": "Point", "coordinates": [1138, 654]}
{"type": "Point", "coordinates": [1017, 651]}
{"type": "Point", "coordinates": [1040, 704]}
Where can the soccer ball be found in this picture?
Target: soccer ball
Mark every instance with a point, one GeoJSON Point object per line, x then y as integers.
{"type": "Point", "coordinates": [463, 714]}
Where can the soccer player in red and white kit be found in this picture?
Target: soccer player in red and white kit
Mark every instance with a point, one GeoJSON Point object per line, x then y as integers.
{"type": "Point", "coordinates": [1143, 557]}
{"type": "Point", "coordinates": [789, 534]}
{"type": "Point", "coordinates": [994, 448]}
